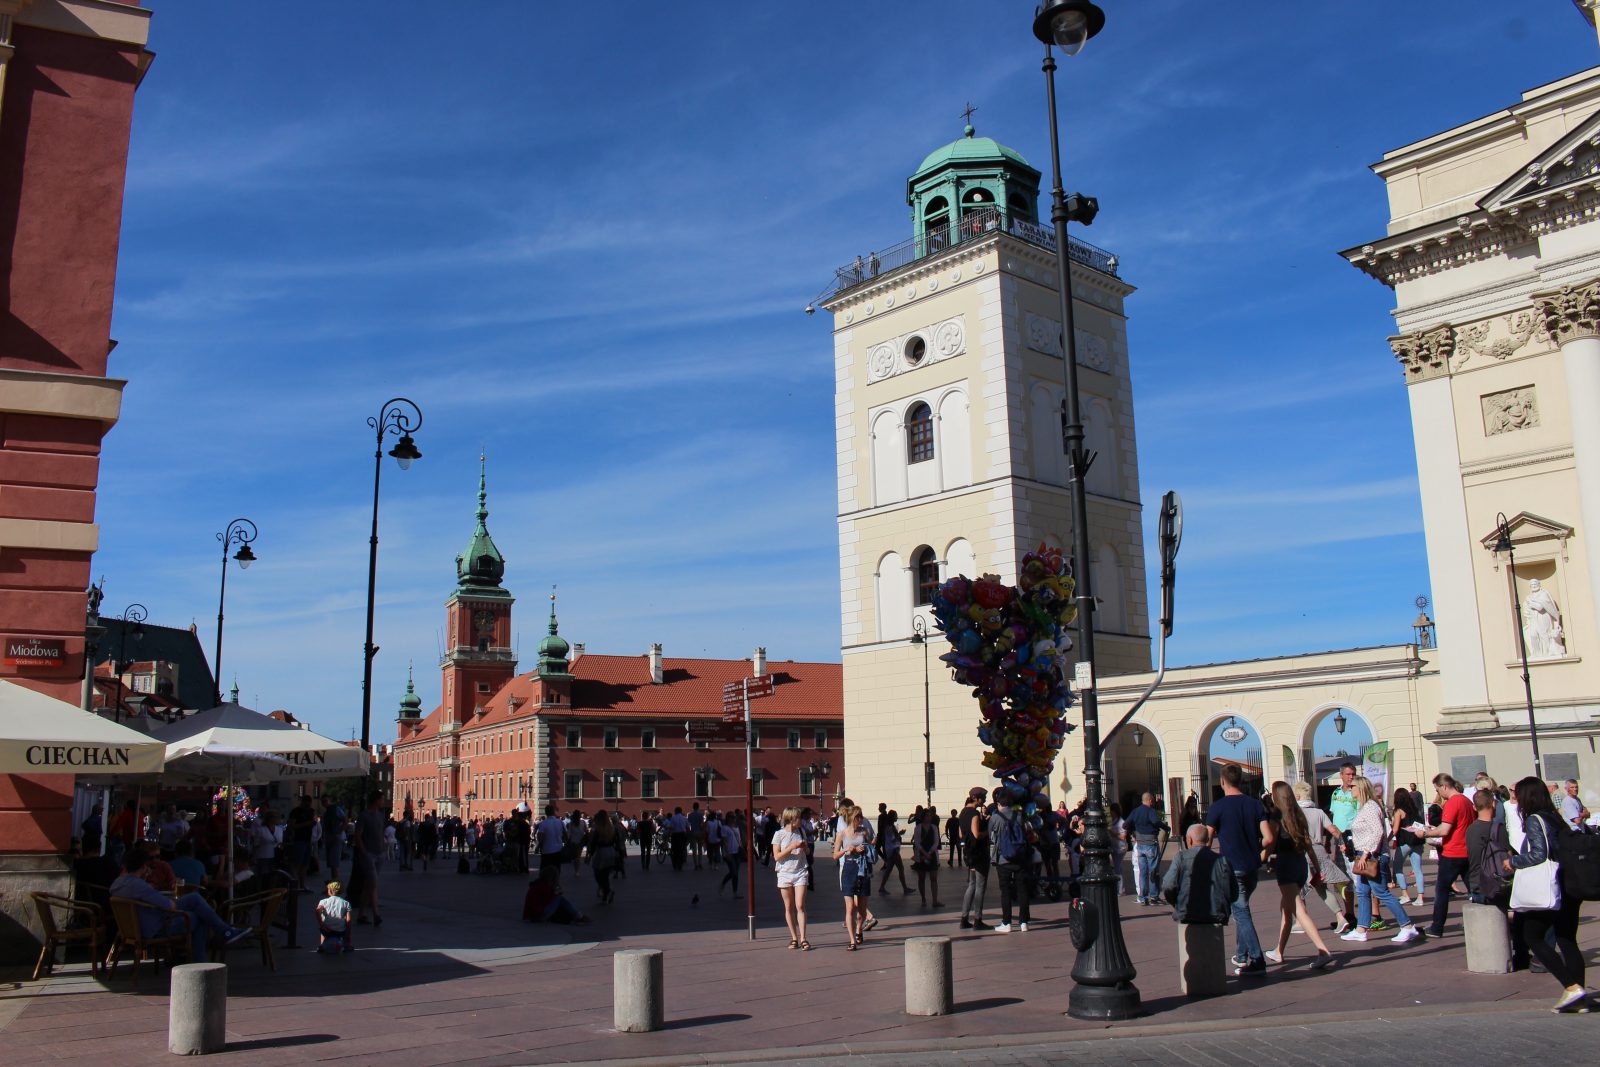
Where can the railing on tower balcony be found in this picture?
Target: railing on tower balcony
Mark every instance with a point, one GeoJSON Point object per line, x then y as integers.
{"type": "Point", "coordinates": [973, 226]}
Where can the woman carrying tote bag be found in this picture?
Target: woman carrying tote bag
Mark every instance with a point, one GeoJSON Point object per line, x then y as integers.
{"type": "Point", "coordinates": [1536, 897]}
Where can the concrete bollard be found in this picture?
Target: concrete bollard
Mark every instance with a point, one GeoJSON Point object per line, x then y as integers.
{"type": "Point", "coordinates": [1488, 937]}
{"type": "Point", "coordinates": [930, 976]}
{"type": "Point", "coordinates": [197, 1018]}
{"type": "Point", "coordinates": [638, 993]}
{"type": "Point", "coordinates": [1202, 960]}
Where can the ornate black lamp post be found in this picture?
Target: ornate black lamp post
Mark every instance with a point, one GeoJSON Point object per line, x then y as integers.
{"type": "Point", "coordinates": [1103, 973]}
{"type": "Point", "coordinates": [919, 636]}
{"type": "Point", "coordinates": [239, 532]}
{"type": "Point", "coordinates": [1503, 544]}
{"type": "Point", "coordinates": [399, 417]}
{"type": "Point", "coordinates": [133, 614]}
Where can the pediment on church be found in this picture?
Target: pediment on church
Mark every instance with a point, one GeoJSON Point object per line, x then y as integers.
{"type": "Point", "coordinates": [1527, 528]}
{"type": "Point", "coordinates": [1569, 166]}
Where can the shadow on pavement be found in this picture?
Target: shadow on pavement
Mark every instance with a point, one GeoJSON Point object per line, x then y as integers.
{"type": "Point", "coordinates": [705, 1020]}
{"type": "Point", "coordinates": [280, 1042]}
{"type": "Point", "coordinates": [985, 1003]}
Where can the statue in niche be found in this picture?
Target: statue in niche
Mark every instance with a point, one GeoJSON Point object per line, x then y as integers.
{"type": "Point", "coordinates": [1541, 624]}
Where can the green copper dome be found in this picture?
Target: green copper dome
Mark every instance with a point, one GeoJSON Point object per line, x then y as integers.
{"type": "Point", "coordinates": [969, 149]}
{"type": "Point", "coordinates": [410, 704]}
{"type": "Point", "coordinates": [554, 648]}
{"type": "Point", "coordinates": [481, 567]}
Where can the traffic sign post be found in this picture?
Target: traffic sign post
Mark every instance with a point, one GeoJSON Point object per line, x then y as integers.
{"type": "Point", "coordinates": [736, 697]}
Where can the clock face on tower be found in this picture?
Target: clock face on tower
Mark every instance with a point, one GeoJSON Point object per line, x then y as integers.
{"type": "Point", "coordinates": [483, 620]}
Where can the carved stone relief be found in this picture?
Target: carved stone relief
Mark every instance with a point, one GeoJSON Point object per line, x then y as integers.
{"type": "Point", "coordinates": [943, 340]}
{"type": "Point", "coordinates": [1044, 335]}
{"type": "Point", "coordinates": [1475, 340]}
{"type": "Point", "coordinates": [1513, 409]}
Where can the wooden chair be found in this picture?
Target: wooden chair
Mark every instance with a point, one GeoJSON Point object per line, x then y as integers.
{"type": "Point", "coordinates": [127, 935]}
{"type": "Point", "coordinates": [266, 906]}
{"type": "Point", "coordinates": [67, 922]}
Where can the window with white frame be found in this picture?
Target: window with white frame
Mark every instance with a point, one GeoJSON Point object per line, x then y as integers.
{"type": "Point", "coordinates": [574, 737]}
{"type": "Point", "coordinates": [649, 784]}
{"type": "Point", "coordinates": [703, 783]}
{"type": "Point", "coordinates": [613, 785]}
{"type": "Point", "coordinates": [572, 785]}
{"type": "Point", "coordinates": [819, 737]}
{"type": "Point", "coordinates": [647, 737]}
{"type": "Point", "coordinates": [794, 739]}
{"type": "Point", "coordinates": [612, 737]}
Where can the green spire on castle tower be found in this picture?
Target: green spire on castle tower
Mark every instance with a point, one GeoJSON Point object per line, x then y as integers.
{"type": "Point", "coordinates": [481, 567]}
{"type": "Point", "coordinates": [410, 704]}
{"type": "Point", "coordinates": [553, 649]}
{"type": "Point", "coordinates": [969, 186]}
{"type": "Point", "coordinates": [233, 694]}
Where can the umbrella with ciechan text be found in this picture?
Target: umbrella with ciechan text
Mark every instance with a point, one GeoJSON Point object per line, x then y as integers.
{"type": "Point", "coordinates": [42, 735]}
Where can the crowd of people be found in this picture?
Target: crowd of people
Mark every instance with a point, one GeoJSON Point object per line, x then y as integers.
{"type": "Point", "coordinates": [1361, 855]}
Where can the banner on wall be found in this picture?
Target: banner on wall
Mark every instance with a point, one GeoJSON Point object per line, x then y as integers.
{"type": "Point", "coordinates": [1375, 763]}
{"type": "Point", "coordinates": [1291, 774]}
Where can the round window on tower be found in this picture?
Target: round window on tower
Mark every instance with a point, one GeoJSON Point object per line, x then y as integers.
{"type": "Point", "coordinates": [916, 351]}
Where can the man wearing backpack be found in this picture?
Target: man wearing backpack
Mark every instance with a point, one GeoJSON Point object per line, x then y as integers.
{"type": "Point", "coordinates": [1012, 856]}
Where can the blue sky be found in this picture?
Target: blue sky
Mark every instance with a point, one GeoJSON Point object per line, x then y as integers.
{"type": "Point", "coordinates": [581, 239]}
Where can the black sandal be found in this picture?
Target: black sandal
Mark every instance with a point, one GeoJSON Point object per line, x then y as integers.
{"type": "Point", "coordinates": [794, 943]}
{"type": "Point", "coordinates": [805, 946]}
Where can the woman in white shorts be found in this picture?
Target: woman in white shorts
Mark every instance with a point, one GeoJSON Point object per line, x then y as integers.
{"type": "Point", "coordinates": [790, 858]}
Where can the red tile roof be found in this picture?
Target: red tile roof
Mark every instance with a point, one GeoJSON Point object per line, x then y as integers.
{"type": "Point", "coordinates": [620, 687]}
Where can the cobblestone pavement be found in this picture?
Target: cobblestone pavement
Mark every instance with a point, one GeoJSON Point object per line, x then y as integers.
{"type": "Point", "coordinates": [1520, 1037]}
{"type": "Point", "coordinates": [453, 977]}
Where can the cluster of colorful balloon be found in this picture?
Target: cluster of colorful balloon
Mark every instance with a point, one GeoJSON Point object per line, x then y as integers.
{"type": "Point", "coordinates": [1009, 644]}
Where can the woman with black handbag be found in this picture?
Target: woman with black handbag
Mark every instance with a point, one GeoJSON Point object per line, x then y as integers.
{"type": "Point", "coordinates": [1548, 916]}
{"type": "Point", "coordinates": [1371, 867]}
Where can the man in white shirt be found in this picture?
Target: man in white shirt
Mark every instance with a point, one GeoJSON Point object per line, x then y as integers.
{"type": "Point", "coordinates": [1570, 806]}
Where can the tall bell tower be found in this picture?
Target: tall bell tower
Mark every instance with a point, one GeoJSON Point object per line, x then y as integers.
{"type": "Point", "coordinates": [948, 391]}
{"type": "Point", "coordinates": [478, 658]}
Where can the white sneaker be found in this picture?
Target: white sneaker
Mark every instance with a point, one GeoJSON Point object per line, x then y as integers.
{"type": "Point", "coordinates": [1003, 928]}
{"type": "Point", "coordinates": [1408, 932]}
{"type": "Point", "coordinates": [1272, 956]}
{"type": "Point", "coordinates": [1357, 934]}
{"type": "Point", "coordinates": [1571, 1001]}
{"type": "Point", "coordinates": [1022, 928]}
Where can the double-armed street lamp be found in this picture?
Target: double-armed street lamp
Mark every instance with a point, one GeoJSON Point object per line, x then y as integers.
{"type": "Point", "coordinates": [399, 417]}
{"type": "Point", "coordinates": [1103, 972]}
{"type": "Point", "coordinates": [239, 532]}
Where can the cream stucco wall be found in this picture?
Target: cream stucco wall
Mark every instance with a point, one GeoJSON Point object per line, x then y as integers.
{"type": "Point", "coordinates": [987, 315]}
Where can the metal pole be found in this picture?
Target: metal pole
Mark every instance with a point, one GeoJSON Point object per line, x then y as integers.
{"type": "Point", "coordinates": [222, 595]}
{"type": "Point", "coordinates": [1103, 972]}
{"type": "Point", "coordinates": [927, 726]}
{"type": "Point", "coordinates": [1522, 649]}
{"type": "Point", "coordinates": [749, 817]}
{"type": "Point", "coordinates": [372, 593]}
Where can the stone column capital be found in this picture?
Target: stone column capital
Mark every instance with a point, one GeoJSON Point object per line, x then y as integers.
{"type": "Point", "coordinates": [1426, 353]}
{"type": "Point", "coordinates": [1571, 312]}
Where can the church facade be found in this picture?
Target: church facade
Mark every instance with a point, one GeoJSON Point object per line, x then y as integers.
{"type": "Point", "coordinates": [949, 458]}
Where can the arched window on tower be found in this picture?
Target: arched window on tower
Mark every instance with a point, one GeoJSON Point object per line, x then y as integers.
{"type": "Point", "coordinates": [919, 433]}
{"type": "Point", "coordinates": [978, 213]}
{"type": "Point", "coordinates": [936, 224]}
{"type": "Point", "coordinates": [926, 566]}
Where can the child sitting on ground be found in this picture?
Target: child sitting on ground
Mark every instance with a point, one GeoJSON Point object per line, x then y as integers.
{"type": "Point", "coordinates": [544, 902]}
{"type": "Point", "coordinates": [333, 922]}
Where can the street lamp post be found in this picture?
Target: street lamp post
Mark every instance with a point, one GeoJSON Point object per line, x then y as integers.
{"type": "Point", "coordinates": [919, 636]}
{"type": "Point", "coordinates": [135, 614]}
{"type": "Point", "coordinates": [1503, 544]}
{"type": "Point", "coordinates": [1103, 972]}
{"type": "Point", "coordinates": [239, 532]}
{"type": "Point", "coordinates": [400, 417]}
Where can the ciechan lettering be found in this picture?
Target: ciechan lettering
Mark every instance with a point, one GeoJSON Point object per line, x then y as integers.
{"type": "Point", "coordinates": [76, 756]}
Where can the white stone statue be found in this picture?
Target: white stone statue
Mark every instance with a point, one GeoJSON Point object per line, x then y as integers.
{"type": "Point", "coordinates": [1541, 624]}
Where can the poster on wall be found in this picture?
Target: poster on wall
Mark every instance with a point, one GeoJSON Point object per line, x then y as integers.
{"type": "Point", "coordinates": [1290, 773]}
{"type": "Point", "coordinates": [1375, 762]}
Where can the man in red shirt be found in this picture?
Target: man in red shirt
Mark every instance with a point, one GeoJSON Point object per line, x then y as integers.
{"type": "Point", "coordinates": [1452, 834]}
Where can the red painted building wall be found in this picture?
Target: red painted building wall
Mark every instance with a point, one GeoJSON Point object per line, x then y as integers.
{"type": "Point", "coordinates": [64, 128]}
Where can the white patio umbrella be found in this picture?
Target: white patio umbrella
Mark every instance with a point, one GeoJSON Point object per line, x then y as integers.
{"type": "Point", "coordinates": [42, 735]}
{"type": "Point", "coordinates": [238, 745]}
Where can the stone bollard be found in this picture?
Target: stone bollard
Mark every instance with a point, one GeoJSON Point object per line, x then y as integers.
{"type": "Point", "coordinates": [197, 1018]}
{"type": "Point", "coordinates": [1488, 937]}
{"type": "Point", "coordinates": [930, 976]}
{"type": "Point", "coordinates": [638, 993]}
{"type": "Point", "coordinates": [1202, 960]}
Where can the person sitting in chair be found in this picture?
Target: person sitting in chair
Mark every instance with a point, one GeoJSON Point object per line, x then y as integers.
{"type": "Point", "coordinates": [131, 884]}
